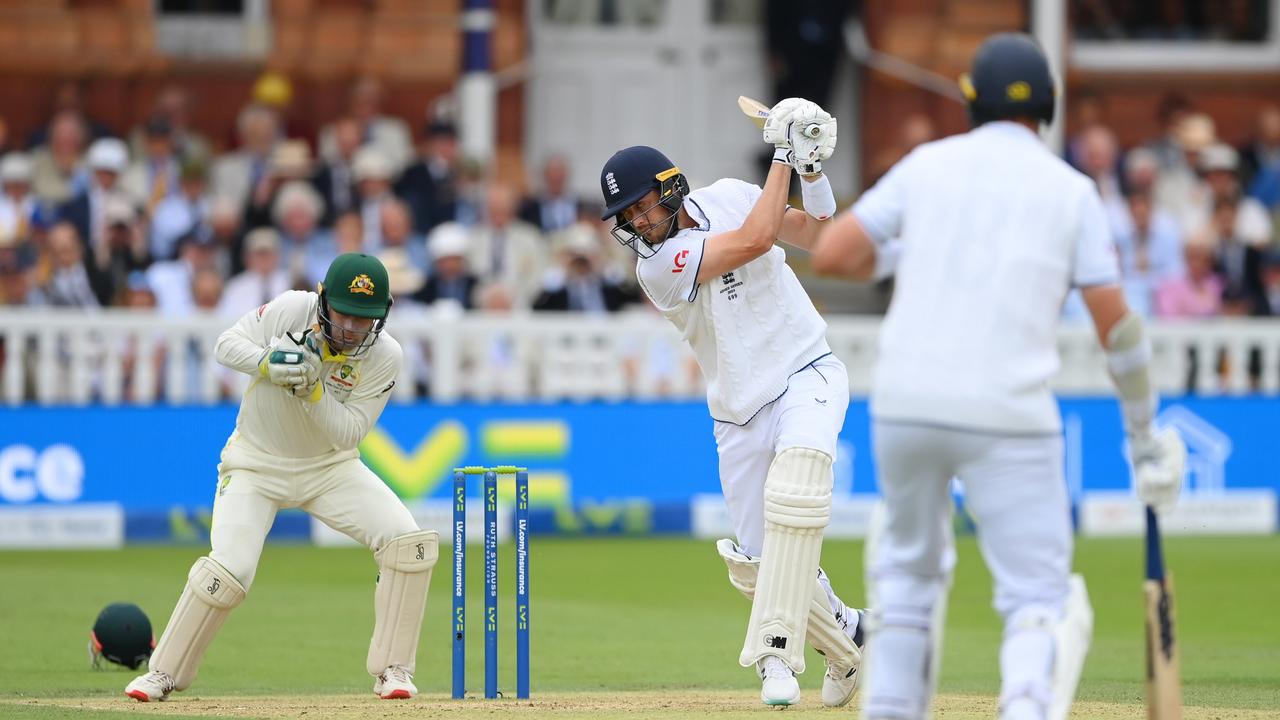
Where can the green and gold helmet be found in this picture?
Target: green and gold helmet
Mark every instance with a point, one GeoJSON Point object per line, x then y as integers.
{"type": "Point", "coordinates": [356, 285]}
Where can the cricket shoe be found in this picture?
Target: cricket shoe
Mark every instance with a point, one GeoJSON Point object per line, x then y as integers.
{"type": "Point", "coordinates": [780, 687]}
{"type": "Point", "coordinates": [841, 682]}
{"type": "Point", "coordinates": [154, 686]}
{"type": "Point", "coordinates": [395, 683]}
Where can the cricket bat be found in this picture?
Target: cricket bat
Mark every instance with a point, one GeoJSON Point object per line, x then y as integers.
{"type": "Point", "coordinates": [1164, 682]}
{"type": "Point", "coordinates": [759, 112]}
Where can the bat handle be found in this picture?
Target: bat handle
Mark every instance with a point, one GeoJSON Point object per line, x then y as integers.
{"type": "Point", "coordinates": [1155, 555]}
{"type": "Point", "coordinates": [813, 130]}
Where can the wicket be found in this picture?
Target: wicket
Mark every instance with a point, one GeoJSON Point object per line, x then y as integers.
{"type": "Point", "coordinates": [490, 475]}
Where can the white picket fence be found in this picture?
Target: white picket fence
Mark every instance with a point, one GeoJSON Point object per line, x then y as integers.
{"type": "Point", "coordinates": [122, 357]}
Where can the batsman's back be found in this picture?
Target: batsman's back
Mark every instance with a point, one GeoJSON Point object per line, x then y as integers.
{"type": "Point", "coordinates": [995, 230]}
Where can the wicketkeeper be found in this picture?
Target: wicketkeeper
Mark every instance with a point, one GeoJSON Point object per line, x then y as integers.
{"type": "Point", "coordinates": [323, 368]}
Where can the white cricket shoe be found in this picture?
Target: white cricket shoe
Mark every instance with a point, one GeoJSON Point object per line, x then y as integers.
{"type": "Point", "coordinates": [841, 682]}
{"type": "Point", "coordinates": [780, 686]}
{"type": "Point", "coordinates": [152, 686]}
{"type": "Point", "coordinates": [395, 683]}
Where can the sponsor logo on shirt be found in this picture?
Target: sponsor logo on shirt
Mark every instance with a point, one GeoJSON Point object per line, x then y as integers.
{"type": "Point", "coordinates": [681, 259]}
{"type": "Point", "coordinates": [261, 309]}
{"type": "Point", "coordinates": [730, 284]}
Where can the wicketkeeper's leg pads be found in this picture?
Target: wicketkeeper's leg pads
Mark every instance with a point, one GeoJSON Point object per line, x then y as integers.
{"type": "Point", "coordinates": [210, 595]}
{"type": "Point", "coordinates": [404, 574]}
{"type": "Point", "coordinates": [824, 633]}
{"type": "Point", "coordinates": [797, 508]}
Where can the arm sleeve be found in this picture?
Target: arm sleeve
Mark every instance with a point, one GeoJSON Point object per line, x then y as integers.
{"type": "Point", "coordinates": [346, 424]}
{"type": "Point", "coordinates": [1095, 260]}
{"type": "Point", "coordinates": [240, 346]}
{"type": "Point", "coordinates": [880, 209]}
{"type": "Point", "coordinates": [669, 278]}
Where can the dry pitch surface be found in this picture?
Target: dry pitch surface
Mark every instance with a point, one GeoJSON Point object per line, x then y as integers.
{"type": "Point", "coordinates": [585, 706]}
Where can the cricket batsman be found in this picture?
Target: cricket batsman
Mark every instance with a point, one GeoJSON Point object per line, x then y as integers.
{"type": "Point", "coordinates": [710, 262]}
{"type": "Point", "coordinates": [323, 367]}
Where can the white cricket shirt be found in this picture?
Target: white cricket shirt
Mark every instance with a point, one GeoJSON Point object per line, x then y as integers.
{"type": "Point", "coordinates": [751, 328]}
{"type": "Point", "coordinates": [277, 429]}
{"type": "Point", "coordinates": [995, 230]}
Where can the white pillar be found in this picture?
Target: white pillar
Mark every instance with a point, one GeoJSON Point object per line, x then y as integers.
{"type": "Point", "coordinates": [1049, 26]}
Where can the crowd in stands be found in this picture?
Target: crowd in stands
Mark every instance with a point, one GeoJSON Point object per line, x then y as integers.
{"type": "Point", "coordinates": [1194, 219]}
{"type": "Point", "coordinates": [156, 217]}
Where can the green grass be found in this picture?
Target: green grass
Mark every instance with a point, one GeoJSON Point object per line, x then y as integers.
{"type": "Point", "coordinates": [615, 615]}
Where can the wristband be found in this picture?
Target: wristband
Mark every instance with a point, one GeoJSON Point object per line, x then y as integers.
{"type": "Point", "coordinates": [819, 201]}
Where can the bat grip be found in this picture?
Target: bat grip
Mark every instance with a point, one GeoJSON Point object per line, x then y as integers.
{"type": "Point", "coordinates": [1155, 556]}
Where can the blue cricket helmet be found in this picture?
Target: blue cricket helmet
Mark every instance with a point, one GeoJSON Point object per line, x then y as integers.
{"type": "Point", "coordinates": [627, 177]}
{"type": "Point", "coordinates": [1010, 78]}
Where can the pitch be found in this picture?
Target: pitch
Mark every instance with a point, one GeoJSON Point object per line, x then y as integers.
{"type": "Point", "coordinates": [621, 627]}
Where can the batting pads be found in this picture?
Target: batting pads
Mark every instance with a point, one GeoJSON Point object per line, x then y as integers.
{"type": "Point", "coordinates": [404, 573]}
{"type": "Point", "coordinates": [1071, 639]}
{"type": "Point", "coordinates": [824, 633]}
{"type": "Point", "coordinates": [797, 506]}
{"type": "Point", "coordinates": [208, 598]}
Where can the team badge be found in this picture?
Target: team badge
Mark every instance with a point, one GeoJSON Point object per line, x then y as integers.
{"type": "Point", "coordinates": [361, 284]}
{"type": "Point", "coordinates": [345, 372]}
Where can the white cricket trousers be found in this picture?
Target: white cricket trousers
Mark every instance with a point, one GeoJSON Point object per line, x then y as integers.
{"type": "Point", "coordinates": [1015, 491]}
{"type": "Point", "coordinates": [346, 496]}
{"type": "Point", "coordinates": [808, 415]}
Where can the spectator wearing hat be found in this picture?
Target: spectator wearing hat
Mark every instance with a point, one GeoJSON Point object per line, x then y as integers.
{"type": "Point", "coordinates": [107, 159]}
{"type": "Point", "coordinates": [1179, 189]}
{"type": "Point", "coordinates": [553, 207]}
{"type": "Point", "coordinates": [390, 135]}
{"type": "Point", "coordinates": [1168, 150]}
{"type": "Point", "coordinates": [17, 279]}
{"type": "Point", "coordinates": [430, 184]}
{"type": "Point", "coordinates": [1197, 291]}
{"type": "Point", "coordinates": [305, 248]}
{"type": "Point", "coordinates": [179, 213]}
{"type": "Point", "coordinates": [237, 173]}
{"type": "Point", "coordinates": [125, 248]}
{"type": "Point", "coordinates": [70, 283]}
{"type": "Point", "coordinates": [1220, 166]}
{"type": "Point", "coordinates": [17, 202]}
{"type": "Point", "coordinates": [156, 173]}
{"type": "Point", "coordinates": [290, 162]}
{"type": "Point", "coordinates": [451, 279]}
{"type": "Point", "coordinates": [57, 171]}
{"type": "Point", "coordinates": [373, 175]}
{"type": "Point", "coordinates": [335, 179]}
{"type": "Point", "coordinates": [263, 277]}
{"type": "Point", "coordinates": [579, 284]}
{"type": "Point", "coordinates": [173, 281]}
{"type": "Point", "coordinates": [506, 249]}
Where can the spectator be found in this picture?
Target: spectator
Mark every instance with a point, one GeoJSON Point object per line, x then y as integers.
{"type": "Point", "coordinates": [506, 249]}
{"type": "Point", "coordinates": [1198, 291]}
{"type": "Point", "coordinates": [206, 290]}
{"type": "Point", "coordinates": [1170, 113]}
{"type": "Point", "coordinates": [803, 40]}
{"type": "Point", "coordinates": [290, 162]}
{"type": "Point", "coordinates": [154, 175]}
{"type": "Point", "coordinates": [57, 174]}
{"type": "Point", "coordinates": [1271, 280]}
{"type": "Point", "coordinates": [263, 278]}
{"type": "Point", "coordinates": [237, 173]}
{"type": "Point", "coordinates": [451, 279]}
{"type": "Point", "coordinates": [578, 285]}
{"type": "Point", "coordinates": [429, 185]}
{"type": "Point", "coordinates": [1179, 189]}
{"type": "Point", "coordinates": [553, 207]}
{"type": "Point", "coordinates": [1099, 159]}
{"type": "Point", "coordinates": [17, 288]}
{"type": "Point", "coordinates": [1218, 166]}
{"type": "Point", "coordinates": [1263, 153]}
{"type": "Point", "coordinates": [177, 214]}
{"type": "Point", "coordinates": [348, 237]}
{"type": "Point", "coordinates": [174, 107]}
{"type": "Point", "coordinates": [68, 100]}
{"type": "Point", "coordinates": [123, 251]}
{"type": "Point", "coordinates": [1141, 171]}
{"type": "Point", "coordinates": [373, 183]}
{"type": "Point", "coordinates": [1148, 241]}
{"type": "Point", "coordinates": [173, 282]}
{"type": "Point", "coordinates": [106, 159]}
{"type": "Point", "coordinates": [390, 135]}
{"type": "Point", "coordinates": [138, 295]}
{"type": "Point", "coordinates": [305, 248]}
{"type": "Point", "coordinates": [69, 284]}
{"type": "Point", "coordinates": [17, 203]}
{"type": "Point", "coordinates": [1238, 263]}
{"type": "Point", "coordinates": [335, 180]}
{"type": "Point", "coordinates": [403, 253]}
{"type": "Point", "coordinates": [224, 223]}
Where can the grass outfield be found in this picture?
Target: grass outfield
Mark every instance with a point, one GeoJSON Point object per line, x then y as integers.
{"type": "Point", "coordinates": [645, 628]}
